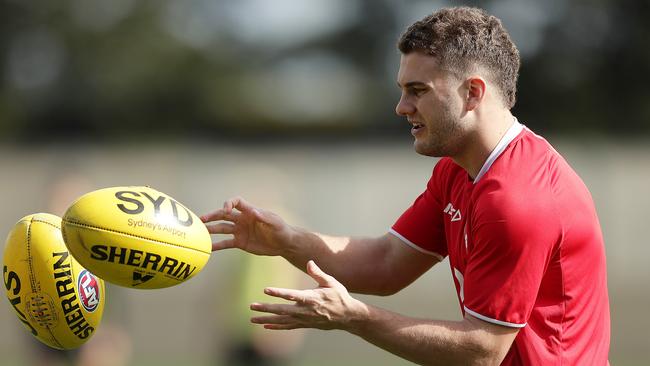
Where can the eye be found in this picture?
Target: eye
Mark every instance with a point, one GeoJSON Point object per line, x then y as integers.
{"type": "Point", "coordinates": [416, 91]}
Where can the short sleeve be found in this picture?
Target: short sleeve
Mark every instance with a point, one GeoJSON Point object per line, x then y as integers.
{"type": "Point", "coordinates": [421, 225]}
{"type": "Point", "coordinates": [514, 238]}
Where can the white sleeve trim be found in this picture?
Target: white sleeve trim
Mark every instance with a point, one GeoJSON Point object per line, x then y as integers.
{"type": "Point", "coordinates": [493, 321]}
{"type": "Point", "coordinates": [415, 246]}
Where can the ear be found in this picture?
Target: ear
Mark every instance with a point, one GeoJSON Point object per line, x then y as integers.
{"type": "Point", "coordinates": [476, 88]}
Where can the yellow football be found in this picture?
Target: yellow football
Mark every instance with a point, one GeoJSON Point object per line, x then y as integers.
{"type": "Point", "coordinates": [55, 298]}
{"type": "Point", "coordinates": [136, 237]}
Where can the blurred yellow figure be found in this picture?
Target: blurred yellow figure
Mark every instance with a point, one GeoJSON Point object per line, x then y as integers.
{"type": "Point", "coordinates": [247, 344]}
{"type": "Point", "coordinates": [254, 345]}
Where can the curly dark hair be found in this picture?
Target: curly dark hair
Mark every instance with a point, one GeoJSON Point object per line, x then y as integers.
{"type": "Point", "coordinates": [462, 39]}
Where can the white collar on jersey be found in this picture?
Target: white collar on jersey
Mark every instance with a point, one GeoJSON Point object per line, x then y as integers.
{"type": "Point", "coordinates": [510, 135]}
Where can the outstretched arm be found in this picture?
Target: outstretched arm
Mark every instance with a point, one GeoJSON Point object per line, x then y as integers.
{"type": "Point", "coordinates": [428, 342]}
{"type": "Point", "coordinates": [364, 264]}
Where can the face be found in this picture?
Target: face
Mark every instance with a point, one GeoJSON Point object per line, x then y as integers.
{"type": "Point", "coordinates": [432, 105]}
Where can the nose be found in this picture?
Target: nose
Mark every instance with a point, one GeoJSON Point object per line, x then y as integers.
{"type": "Point", "coordinates": [404, 107]}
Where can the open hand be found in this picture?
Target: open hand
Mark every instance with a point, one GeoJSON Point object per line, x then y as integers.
{"type": "Point", "coordinates": [329, 306]}
{"type": "Point", "coordinates": [254, 230]}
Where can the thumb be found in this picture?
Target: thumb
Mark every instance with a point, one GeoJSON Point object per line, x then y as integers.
{"type": "Point", "coordinates": [260, 216]}
{"type": "Point", "coordinates": [322, 278]}
{"type": "Point", "coordinates": [267, 218]}
{"type": "Point", "coordinates": [247, 208]}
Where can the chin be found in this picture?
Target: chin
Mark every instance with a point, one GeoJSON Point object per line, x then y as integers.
{"type": "Point", "coordinates": [429, 149]}
{"type": "Point", "coordinates": [425, 150]}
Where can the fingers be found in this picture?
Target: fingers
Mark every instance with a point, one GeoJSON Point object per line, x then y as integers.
{"type": "Point", "coordinates": [239, 203]}
{"type": "Point", "coordinates": [213, 216]}
{"type": "Point", "coordinates": [273, 319]}
{"type": "Point", "coordinates": [219, 215]}
{"type": "Point", "coordinates": [322, 278]}
{"type": "Point", "coordinates": [277, 322]}
{"type": "Point", "coordinates": [221, 228]}
{"type": "Point", "coordinates": [287, 294]}
{"type": "Point", "coordinates": [283, 326]}
{"type": "Point", "coordinates": [244, 207]}
{"type": "Point", "coordinates": [278, 309]}
{"type": "Point", "coordinates": [226, 211]}
{"type": "Point", "coordinates": [224, 244]}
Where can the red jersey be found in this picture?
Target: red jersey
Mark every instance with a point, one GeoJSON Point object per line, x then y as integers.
{"type": "Point", "coordinates": [525, 249]}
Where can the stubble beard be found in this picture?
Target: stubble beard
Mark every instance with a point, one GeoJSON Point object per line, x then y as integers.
{"type": "Point", "coordinates": [443, 136]}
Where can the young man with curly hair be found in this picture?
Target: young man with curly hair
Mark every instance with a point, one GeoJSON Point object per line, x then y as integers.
{"type": "Point", "coordinates": [517, 223]}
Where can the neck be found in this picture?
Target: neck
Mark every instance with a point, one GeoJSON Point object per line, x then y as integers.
{"type": "Point", "coordinates": [479, 144]}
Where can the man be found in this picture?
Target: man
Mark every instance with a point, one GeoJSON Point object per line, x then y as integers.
{"type": "Point", "coordinates": [518, 225]}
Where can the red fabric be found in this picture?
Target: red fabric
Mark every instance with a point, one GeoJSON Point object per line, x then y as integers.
{"type": "Point", "coordinates": [525, 250]}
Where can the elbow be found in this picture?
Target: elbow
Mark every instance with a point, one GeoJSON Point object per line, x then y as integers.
{"type": "Point", "coordinates": [480, 356]}
{"type": "Point", "coordinates": [472, 355]}
{"type": "Point", "coordinates": [389, 282]}
{"type": "Point", "coordinates": [485, 343]}
{"type": "Point", "coordinates": [387, 288]}
{"type": "Point", "coordinates": [385, 292]}
{"type": "Point", "coordinates": [485, 353]}
{"type": "Point", "coordinates": [492, 359]}
{"type": "Point", "coordinates": [482, 348]}
{"type": "Point", "coordinates": [378, 290]}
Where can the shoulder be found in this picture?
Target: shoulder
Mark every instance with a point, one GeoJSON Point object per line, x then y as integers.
{"type": "Point", "coordinates": [525, 170]}
{"type": "Point", "coordinates": [444, 166]}
{"type": "Point", "coordinates": [520, 181]}
{"type": "Point", "coordinates": [445, 172]}
{"type": "Point", "coordinates": [500, 198]}
{"type": "Point", "coordinates": [528, 155]}
{"type": "Point", "coordinates": [520, 188]}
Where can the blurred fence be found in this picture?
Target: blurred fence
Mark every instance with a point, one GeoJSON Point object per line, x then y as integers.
{"type": "Point", "coordinates": [337, 189]}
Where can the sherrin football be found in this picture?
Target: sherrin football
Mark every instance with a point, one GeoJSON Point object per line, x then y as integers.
{"type": "Point", "coordinates": [136, 237]}
{"type": "Point", "coordinates": [55, 298]}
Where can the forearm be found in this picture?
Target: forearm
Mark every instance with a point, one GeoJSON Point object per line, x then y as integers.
{"type": "Point", "coordinates": [427, 342]}
{"type": "Point", "coordinates": [365, 265]}
{"type": "Point", "coordinates": [358, 263]}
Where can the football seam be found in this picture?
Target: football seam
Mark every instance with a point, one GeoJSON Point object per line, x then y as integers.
{"type": "Point", "coordinates": [132, 235]}
{"type": "Point", "coordinates": [47, 223]}
{"type": "Point", "coordinates": [31, 272]}
{"type": "Point", "coordinates": [30, 260]}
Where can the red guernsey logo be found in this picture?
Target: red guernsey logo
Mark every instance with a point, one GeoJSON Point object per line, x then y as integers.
{"type": "Point", "coordinates": [88, 290]}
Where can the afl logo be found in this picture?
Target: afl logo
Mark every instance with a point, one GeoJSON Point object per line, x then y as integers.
{"type": "Point", "coordinates": [88, 290]}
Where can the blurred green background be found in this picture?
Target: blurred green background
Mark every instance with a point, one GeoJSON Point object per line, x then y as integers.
{"type": "Point", "coordinates": [290, 104]}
